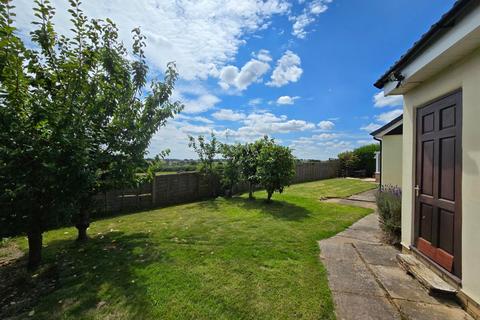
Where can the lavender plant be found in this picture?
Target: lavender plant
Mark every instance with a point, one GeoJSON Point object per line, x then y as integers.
{"type": "Point", "coordinates": [389, 203]}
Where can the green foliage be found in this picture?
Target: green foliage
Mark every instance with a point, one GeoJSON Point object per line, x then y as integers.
{"type": "Point", "coordinates": [231, 170]}
{"type": "Point", "coordinates": [206, 151]}
{"type": "Point", "coordinates": [348, 162]}
{"type": "Point", "coordinates": [276, 167]}
{"type": "Point", "coordinates": [389, 203]}
{"type": "Point", "coordinates": [362, 158]}
{"type": "Point", "coordinates": [154, 166]}
{"type": "Point", "coordinates": [366, 158]}
{"type": "Point", "coordinates": [249, 162]}
{"type": "Point", "coordinates": [76, 116]}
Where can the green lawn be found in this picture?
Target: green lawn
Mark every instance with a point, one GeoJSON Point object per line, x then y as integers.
{"type": "Point", "coordinates": [218, 259]}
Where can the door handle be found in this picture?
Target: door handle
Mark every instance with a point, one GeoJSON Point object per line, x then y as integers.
{"type": "Point", "coordinates": [417, 190]}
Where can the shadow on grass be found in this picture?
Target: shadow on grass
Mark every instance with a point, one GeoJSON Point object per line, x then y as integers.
{"type": "Point", "coordinates": [277, 208]}
{"type": "Point", "coordinates": [97, 278]}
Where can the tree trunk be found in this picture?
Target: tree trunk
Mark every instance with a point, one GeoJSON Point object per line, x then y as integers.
{"type": "Point", "coordinates": [250, 191]}
{"type": "Point", "coordinates": [213, 185]}
{"type": "Point", "coordinates": [269, 196]}
{"type": "Point", "coordinates": [34, 249]}
{"type": "Point", "coordinates": [229, 192]}
{"type": "Point", "coordinates": [82, 224]}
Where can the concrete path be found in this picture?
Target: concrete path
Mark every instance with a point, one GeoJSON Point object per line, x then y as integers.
{"type": "Point", "coordinates": [366, 281]}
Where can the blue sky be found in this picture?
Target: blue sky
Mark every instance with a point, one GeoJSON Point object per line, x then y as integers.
{"type": "Point", "coordinates": [300, 71]}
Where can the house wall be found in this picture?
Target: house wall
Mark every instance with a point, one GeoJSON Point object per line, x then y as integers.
{"type": "Point", "coordinates": [391, 168]}
{"type": "Point", "coordinates": [463, 75]}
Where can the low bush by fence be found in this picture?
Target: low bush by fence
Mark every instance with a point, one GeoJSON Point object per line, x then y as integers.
{"type": "Point", "coordinates": [168, 189]}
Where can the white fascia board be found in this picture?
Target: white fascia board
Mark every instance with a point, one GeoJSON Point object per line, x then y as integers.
{"type": "Point", "coordinates": [389, 129]}
{"type": "Point", "coordinates": [453, 38]}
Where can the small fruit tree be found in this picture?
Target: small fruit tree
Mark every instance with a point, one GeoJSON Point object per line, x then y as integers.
{"type": "Point", "coordinates": [276, 167]}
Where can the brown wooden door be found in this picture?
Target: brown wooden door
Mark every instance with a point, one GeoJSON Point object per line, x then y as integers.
{"type": "Point", "coordinates": [438, 184]}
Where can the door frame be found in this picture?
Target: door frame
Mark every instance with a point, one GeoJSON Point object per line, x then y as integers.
{"type": "Point", "coordinates": [458, 187]}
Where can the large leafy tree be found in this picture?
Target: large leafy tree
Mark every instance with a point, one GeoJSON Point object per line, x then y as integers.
{"type": "Point", "coordinates": [76, 117]}
{"type": "Point", "coordinates": [276, 167]}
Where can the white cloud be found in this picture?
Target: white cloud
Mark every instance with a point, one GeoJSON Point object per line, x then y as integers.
{"type": "Point", "coordinates": [251, 72]}
{"type": "Point", "coordinates": [326, 125]}
{"type": "Point", "coordinates": [195, 97]}
{"type": "Point", "coordinates": [255, 102]}
{"type": "Point", "coordinates": [388, 116]}
{"type": "Point", "coordinates": [300, 22]}
{"type": "Point", "coordinates": [228, 115]}
{"type": "Point", "coordinates": [201, 36]}
{"type": "Point", "coordinates": [325, 136]}
{"type": "Point", "coordinates": [287, 100]}
{"type": "Point", "coordinates": [383, 118]}
{"type": "Point", "coordinates": [200, 104]}
{"type": "Point", "coordinates": [381, 101]}
{"type": "Point", "coordinates": [371, 127]}
{"type": "Point", "coordinates": [313, 148]}
{"type": "Point", "coordinates": [287, 70]}
{"type": "Point", "coordinates": [182, 116]}
{"type": "Point", "coordinates": [253, 126]}
{"type": "Point", "coordinates": [363, 142]}
{"type": "Point", "coordinates": [174, 138]}
{"type": "Point", "coordinates": [268, 123]}
{"type": "Point", "coordinates": [263, 55]}
{"type": "Point", "coordinates": [307, 17]}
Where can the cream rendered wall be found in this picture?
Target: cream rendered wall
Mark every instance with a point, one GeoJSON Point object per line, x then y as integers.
{"type": "Point", "coordinates": [463, 75]}
{"type": "Point", "coordinates": [391, 168]}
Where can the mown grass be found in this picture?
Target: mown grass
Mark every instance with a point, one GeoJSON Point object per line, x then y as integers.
{"type": "Point", "coordinates": [219, 259]}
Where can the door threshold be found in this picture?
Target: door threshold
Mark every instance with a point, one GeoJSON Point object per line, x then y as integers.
{"type": "Point", "coordinates": [435, 267]}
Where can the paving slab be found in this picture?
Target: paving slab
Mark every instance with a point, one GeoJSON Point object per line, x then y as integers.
{"type": "Point", "coordinates": [351, 276]}
{"type": "Point", "coordinates": [379, 255]}
{"type": "Point", "coordinates": [367, 283]}
{"type": "Point", "coordinates": [366, 229]}
{"type": "Point", "coordinates": [361, 235]}
{"type": "Point", "coordinates": [334, 248]}
{"type": "Point", "coordinates": [424, 311]}
{"type": "Point", "coordinates": [358, 307]}
{"type": "Point", "coordinates": [402, 286]}
{"type": "Point", "coordinates": [368, 196]}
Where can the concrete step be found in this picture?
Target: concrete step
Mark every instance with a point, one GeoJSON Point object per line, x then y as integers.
{"type": "Point", "coordinates": [429, 279]}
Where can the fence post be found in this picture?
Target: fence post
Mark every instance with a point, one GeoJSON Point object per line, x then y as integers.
{"type": "Point", "coordinates": [154, 190]}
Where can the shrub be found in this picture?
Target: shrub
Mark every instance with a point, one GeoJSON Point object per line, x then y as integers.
{"type": "Point", "coordinates": [360, 159]}
{"type": "Point", "coordinates": [348, 163]}
{"type": "Point", "coordinates": [389, 203]}
{"type": "Point", "coordinates": [366, 158]}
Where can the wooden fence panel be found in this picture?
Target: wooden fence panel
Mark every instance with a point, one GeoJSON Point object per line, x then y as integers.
{"type": "Point", "coordinates": [188, 187]}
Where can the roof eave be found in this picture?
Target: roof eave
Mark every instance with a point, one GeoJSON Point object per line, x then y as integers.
{"type": "Point", "coordinates": [428, 38]}
{"type": "Point", "coordinates": [380, 132]}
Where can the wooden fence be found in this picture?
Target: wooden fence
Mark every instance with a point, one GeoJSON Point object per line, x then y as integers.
{"type": "Point", "coordinates": [188, 187]}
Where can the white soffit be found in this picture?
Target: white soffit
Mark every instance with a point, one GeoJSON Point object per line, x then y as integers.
{"type": "Point", "coordinates": [384, 132]}
{"type": "Point", "coordinates": [458, 42]}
